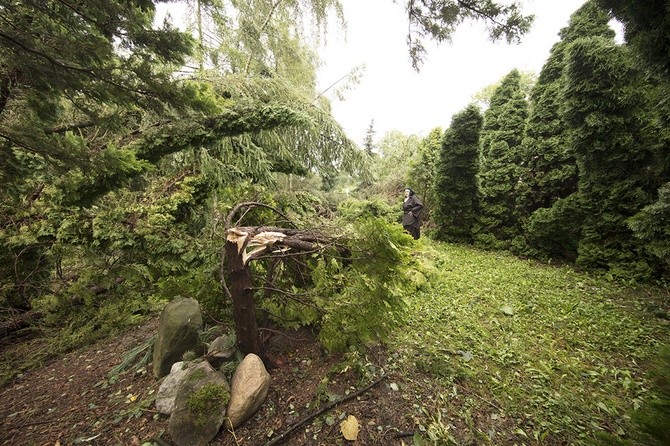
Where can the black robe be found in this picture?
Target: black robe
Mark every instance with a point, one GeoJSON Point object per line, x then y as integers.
{"type": "Point", "coordinates": [411, 209]}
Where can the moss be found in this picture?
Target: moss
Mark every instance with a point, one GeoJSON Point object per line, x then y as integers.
{"type": "Point", "coordinates": [207, 400]}
{"type": "Point", "coordinates": [197, 375]}
{"type": "Point", "coordinates": [188, 355]}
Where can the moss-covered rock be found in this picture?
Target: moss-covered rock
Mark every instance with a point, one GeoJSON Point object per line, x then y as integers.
{"type": "Point", "coordinates": [200, 406]}
{"type": "Point", "coordinates": [178, 332]}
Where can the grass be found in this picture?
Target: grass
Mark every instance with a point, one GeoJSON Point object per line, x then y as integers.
{"type": "Point", "coordinates": [502, 351]}
{"type": "Point", "coordinates": [518, 352]}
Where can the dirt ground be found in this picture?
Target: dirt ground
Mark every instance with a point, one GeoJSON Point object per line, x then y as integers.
{"type": "Point", "coordinates": [72, 400]}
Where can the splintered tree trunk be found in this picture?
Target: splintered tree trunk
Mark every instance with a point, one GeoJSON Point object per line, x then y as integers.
{"type": "Point", "coordinates": [244, 310]}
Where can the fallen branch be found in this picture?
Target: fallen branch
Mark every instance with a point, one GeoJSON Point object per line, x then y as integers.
{"type": "Point", "coordinates": [278, 439]}
{"type": "Point", "coordinates": [17, 322]}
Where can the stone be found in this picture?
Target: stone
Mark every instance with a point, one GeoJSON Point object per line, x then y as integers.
{"type": "Point", "coordinates": [167, 392]}
{"type": "Point", "coordinates": [248, 390]}
{"type": "Point", "coordinates": [200, 406]}
{"type": "Point", "coordinates": [221, 350]}
{"type": "Point", "coordinates": [179, 330]}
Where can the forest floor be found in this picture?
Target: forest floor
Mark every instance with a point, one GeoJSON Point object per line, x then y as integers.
{"type": "Point", "coordinates": [492, 350]}
{"type": "Point", "coordinates": [73, 400]}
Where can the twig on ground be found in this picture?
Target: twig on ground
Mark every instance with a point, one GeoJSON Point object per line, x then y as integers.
{"type": "Point", "coordinates": [280, 438]}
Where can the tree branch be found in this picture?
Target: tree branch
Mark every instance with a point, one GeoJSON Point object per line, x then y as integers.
{"type": "Point", "coordinates": [280, 438]}
{"type": "Point", "coordinates": [8, 81]}
{"type": "Point", "coordinates": [231, 214]}
{"type": "Point", "coordinates": [261, 30]}
{"type": "Point", "coordinates": [481, 13]}
{"type": "Point", "coordinates": [50, 59]}
{"type": "Point", "coordinates": [70, 127]}
{"type": "Point", "coordinates": [57, 63]}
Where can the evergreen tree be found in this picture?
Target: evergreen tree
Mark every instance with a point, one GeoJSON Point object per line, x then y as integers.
{"type": "Point", "coordinates": [602, 107]}
{"type": "Point", "coordinates": [650, 225]}
{"type": "Point", "coordinates": [369, 140]}
{"type": "Point", "coordinates": [89, 106]}
{"type": "Point", "coordinates": [646, 29]}
{"type": "Point", "coordinates": [501, 157]}
{"type": "Point", "coordinates": [647, 32]}
{"type": "Point", "coordinates": [551, 168]}
{"type": "Point", "coordinates": [456, 188]}
{"type": "Point", "coordinates": [421, 175]}
{"type": "Point", "coordinates": [550, 171]}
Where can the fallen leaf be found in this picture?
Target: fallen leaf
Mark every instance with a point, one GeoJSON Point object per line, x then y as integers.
{"type": "Point", "coordinates": [350, 428]}
{"type": "Point", "coordinates": [507, 310]}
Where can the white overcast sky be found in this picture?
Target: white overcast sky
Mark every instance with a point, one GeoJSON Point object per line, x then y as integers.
{"type": "Point", "coordinates": [398, 98]}
{"type": "Point", "coordinates": [395, 96]}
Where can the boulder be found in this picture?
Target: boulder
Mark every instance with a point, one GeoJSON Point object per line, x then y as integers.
{"type": "Point", "coordinates": [167, 392]}
{"type": "Point", "coordinates": [248, 390]}
{"type": "Point", "coordinates": [179, 330]}
{"type": "Point", "coordinates": [200, 406]}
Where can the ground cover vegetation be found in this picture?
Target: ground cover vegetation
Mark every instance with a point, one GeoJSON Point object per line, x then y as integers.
{"type": "Point", "coordinates": [125, 144]}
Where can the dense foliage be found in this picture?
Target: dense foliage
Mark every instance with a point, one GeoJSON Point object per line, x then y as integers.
{"type": "Point", "coordinates": [577, 171]}
{"type": "Point", "coordinates": [550, 169]}
{"type": "Point", "coordinates": [501, 156]}
{"type": "Point", "coordinates": [456, 185]}
{"type": "Point", "coordinates": [603, 115]}
{"type": "Point", "coordinates": [421, 174]}
{"type": "Point", "coordinates": [118, 167]}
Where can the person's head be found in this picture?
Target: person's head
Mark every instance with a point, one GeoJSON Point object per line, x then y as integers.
{"type": "Point", "coordinates": [408, 192]}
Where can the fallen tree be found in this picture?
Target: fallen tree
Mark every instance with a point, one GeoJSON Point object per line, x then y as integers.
{"type": "Point", "coordinates": [245, 244]}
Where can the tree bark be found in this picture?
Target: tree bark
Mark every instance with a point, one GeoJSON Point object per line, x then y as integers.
{"type": "Point", "coordinates": [242, 294]}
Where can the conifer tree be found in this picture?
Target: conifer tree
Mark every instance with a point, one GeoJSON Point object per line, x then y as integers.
{"type": "Point", "coordinates": [369, 140]}
{"type": "Point", "coordinates": [89, 100]}
{"type": "Point", "coordinates": [456, 188]}
{"type": "Point", "coordinates": [501, 157]}
{"type": "Point", "coordinates": [646, 31]}
{"type": "Point", "coordinates": [602, 107]}
{"type": "Point", "coordinates": [421, 174]}
{"type": "Point", "coordinates": [550, 169]}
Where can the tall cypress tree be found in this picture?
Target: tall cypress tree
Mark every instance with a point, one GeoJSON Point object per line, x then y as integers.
{"type": "Point", "coordinates": [369, 140]}
{"type": "Point", "coordinates": [456, 188]}
{"type": "Point", "coordinates": [551, 168]}
{"type": "Point", "coordinates": [551, 221]}
{"type": "Point", "coordinates": [603, 109]}
{"type": "Point", "coordinates": [647, 32]}
{"type": "Point", "coordinates": [501, 157]}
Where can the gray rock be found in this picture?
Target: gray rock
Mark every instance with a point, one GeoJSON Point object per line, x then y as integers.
{"type": "Point", "coordinates": [249, 388]}
{"type": "Point", "coordinates": [221, 350]}
{"type": "Point", "coordinates": [167, 392]}
{"type": "Point", "coordinates": [179, 330]}
{"type": "Point", "coordinates": [200, 406]}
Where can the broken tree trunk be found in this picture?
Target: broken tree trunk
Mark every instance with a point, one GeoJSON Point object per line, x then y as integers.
{"type": "Point", "coordinates": [242, 294]}
{"type": "Point", "coordinates": [244, 244]}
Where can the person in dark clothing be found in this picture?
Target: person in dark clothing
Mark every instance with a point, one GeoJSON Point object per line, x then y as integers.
{"type": "Point", "coordinates": [411, 209]}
